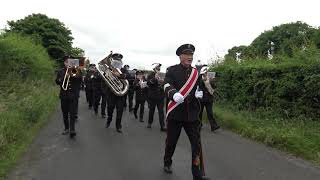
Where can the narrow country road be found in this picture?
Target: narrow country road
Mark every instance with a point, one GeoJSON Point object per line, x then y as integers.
{"type": "Point", "coordinates": [98, 153]}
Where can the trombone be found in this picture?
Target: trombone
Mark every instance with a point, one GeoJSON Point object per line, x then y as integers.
{"type": "Point", "coordinates": [73, 70]}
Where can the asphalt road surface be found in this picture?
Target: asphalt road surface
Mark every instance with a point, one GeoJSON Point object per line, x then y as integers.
{"type": "Point", "coordinates": [98, 153]}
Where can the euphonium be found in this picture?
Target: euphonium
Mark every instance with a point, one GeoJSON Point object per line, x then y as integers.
{"type": "Point", "coordinates": [106, 69]}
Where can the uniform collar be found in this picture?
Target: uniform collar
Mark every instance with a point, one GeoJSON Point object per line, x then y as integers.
{"type": "Point", "coordinates": [185, 67]}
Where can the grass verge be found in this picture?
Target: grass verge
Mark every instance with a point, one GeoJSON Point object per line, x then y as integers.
{"type": "Point", "coordinates": [298, 137]}
{"type": "Point", "coordinates": [24, 108]}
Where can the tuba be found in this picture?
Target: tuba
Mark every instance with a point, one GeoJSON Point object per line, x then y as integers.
{"type": "Point", "coordinates": [107, 71]}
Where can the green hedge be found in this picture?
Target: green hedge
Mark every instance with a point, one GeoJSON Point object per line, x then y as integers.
{"type": "Point", "coordinates": [20, 55]}
{"type": "Point", "coordinates": [289, 87]}
{"type": "Point", "coordinates": [27, 95]}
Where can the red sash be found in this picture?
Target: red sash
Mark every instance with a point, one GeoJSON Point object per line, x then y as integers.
{"type": "Point", "coordinates": [185, 90]}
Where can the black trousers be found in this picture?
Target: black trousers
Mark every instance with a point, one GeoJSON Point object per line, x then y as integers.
{"type": "Point", "coordinates": [208, 106]}
{"type": "Point", "coordinates": [118, 103]}
{"type": "Point", "coordinates": [130, 99]}
{"type": "Point", "coordinates": [159, 103]}
{"type": "Point", "coordinates": [98, 95]}
{"type": "Point", "coordinates": [69, 108]}
{"type": "Point", "coordinates": [76, 113]}
{"type": "Point", "coordinates": [141, 104]}
{"type": "Point", "coordinates": [89, 96]}
{"type": "Point", "coordinates": [192, 130]}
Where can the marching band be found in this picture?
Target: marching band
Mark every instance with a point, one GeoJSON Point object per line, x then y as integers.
{"type": "Point", "coordinates": [184, 91]}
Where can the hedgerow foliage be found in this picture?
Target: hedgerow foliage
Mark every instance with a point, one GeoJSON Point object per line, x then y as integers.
{"type": "Point", "coordinates": [288, 86]}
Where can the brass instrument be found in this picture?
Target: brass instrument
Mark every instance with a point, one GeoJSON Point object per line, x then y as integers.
{"type": "Point", "coordinates": [73, 70]}
{"type": "Point", "coordinates": [207, 76]}
{"type": "Point", "coordinates": [110, 72]}
{"type": "Point", "coordinates": [142, 83]}
{"type": "Point", "coordinates": [158, 75]}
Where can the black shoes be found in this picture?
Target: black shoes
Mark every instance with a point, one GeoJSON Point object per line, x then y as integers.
{"type": "Point", "coordinates": [96, 112]}
{"type": "Point", "coordinates": [119, 130]}
{"type": "Point", "coordinates": [103, 115]}
{"type": "Point", "coordinates": [213, 129]}
{"type": "Point", "coordinates": [149, 126]}
{"type": "Point", "coordinates": [135, 114]}
{"type": "Point", "coordinates": [167, 169]}
{"type": "Point", "coordinates": [141, 120]}
{"type": "Point", "coordinates": [107, 125]}
{"type": "Point", "coordinates": [163, 129]}
{"type": "Point", "coordinates": [72, 134]}
{"type": "Point", "coordinates": [201, 178]}
{"type": "Point", "coordinates": [65, 132]}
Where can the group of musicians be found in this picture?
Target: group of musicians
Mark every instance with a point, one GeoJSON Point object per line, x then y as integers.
{"type": "Point", "coordinates": [184, 92]}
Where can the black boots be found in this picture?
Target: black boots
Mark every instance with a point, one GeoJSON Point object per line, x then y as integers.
{"type": "Point", "coordinates": [201, 178]}
{"type": "Point", "coordinates": [167, 169]}
{"type": "Point", "coordinates": [65, 132]}
{"type": "Point", "coordinates": [72, 134]}
{"type": "Point", "coordinates": [107, 125]}
{"type": "Point", "coordinates": [135, 114]}
{"type": "Point", "coordinates": [213, 129]}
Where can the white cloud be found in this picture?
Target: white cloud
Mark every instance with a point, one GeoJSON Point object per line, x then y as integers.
{"type": "Point", "coordinates": [146, 31]}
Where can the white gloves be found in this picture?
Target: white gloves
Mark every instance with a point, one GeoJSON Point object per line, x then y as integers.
{"type": "Point", "coordinates": [143, 84]}
{"type": "Point", "coordinates": [178, 98]}
{"type": "Point", "coordinates": [198, 94]}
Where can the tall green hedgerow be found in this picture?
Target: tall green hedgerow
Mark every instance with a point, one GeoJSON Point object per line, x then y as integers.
{"type": "Point", "coordinates": [20, 55]}
{"type": "Point", "coordinates": [27, 95]}
{"type": "Point", "coordinates": [287, 86]}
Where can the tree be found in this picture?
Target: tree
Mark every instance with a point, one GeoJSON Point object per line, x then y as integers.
{"type": "Point", "coordinates": [283, 39]}
{"type": "Point", "coordinates": [286, 38]}
{"type": "Point", "coordinates": [77, 52]}
{"type": "Point", "coordinates": [316, 38]}
{"type": "Point", "coordinates": [52, 33]}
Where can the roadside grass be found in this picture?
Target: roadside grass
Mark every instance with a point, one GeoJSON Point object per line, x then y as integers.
{"type": "Point", "coordinates": [24, 108]}
{"type": "Point", "coordinates": [298, 137]}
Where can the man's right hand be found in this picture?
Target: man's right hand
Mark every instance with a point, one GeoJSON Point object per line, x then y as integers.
{"type": "Point", "coordinates": [178, 98]}
{"type": "Point", "coordinates": [115, 73]}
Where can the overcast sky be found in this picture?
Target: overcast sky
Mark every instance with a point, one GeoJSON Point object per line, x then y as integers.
{"type": "Point", "coordinates": [149, 31]}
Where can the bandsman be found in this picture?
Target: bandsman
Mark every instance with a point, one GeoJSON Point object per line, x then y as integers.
{"type": "Point", "coordinates": [181, 88]}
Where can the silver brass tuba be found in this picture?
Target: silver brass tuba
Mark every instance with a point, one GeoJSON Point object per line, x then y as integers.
{"type": "Point", "coordinates": [118, 86]}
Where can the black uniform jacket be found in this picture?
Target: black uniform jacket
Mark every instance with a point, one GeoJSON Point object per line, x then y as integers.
{"type": "Point", "coordinates": [88, 80]}
{"type": "Point", "coordinates": [73, 89]}
{"type": "Point", "coordinates": [131, 80]}
{"type": "Point", "coordinates": [141, 93]}
{"type": "Point", "coordinates": [175, 78]}
{"type": "Point", "coordinates": [98, 84]}
{"type": "Point", "coordinates": [155, 88]}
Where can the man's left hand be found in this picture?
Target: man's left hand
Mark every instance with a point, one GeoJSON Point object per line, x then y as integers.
{"type": "Point", "coordinates": [198, 94]}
